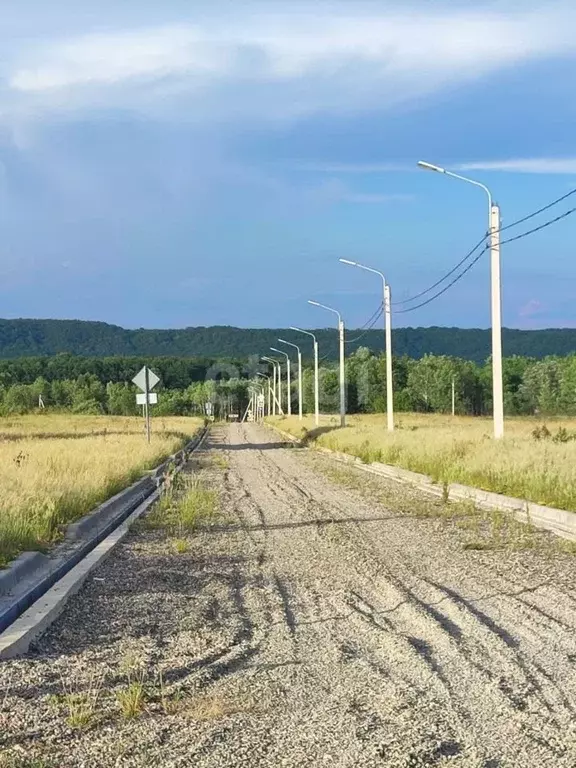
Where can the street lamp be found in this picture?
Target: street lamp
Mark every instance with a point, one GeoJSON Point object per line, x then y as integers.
{"type": "Point", "coordinates": [277, 401]}
{"type": "Point", "coordinates": [388, 339]}
{"type": "Point", "coordinates": [289, 343]}
{"type": "Point", "coordinates": [316, 398]}
{"type": "Point", "coordinates": [496, 296]}
{"type": "Point", "coordinates": [264, 376]}
{"type": "Point", "coordinates": [342, 375]}
{"type": "Point", "coordinates": [288, 393]}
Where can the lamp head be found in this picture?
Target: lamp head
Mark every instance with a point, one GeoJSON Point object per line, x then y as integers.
{"type": "Point", "coordinates": [430, 167]}
{"type": "Point", "coordinates": [347, 261]}
{"type": "Point", "coordinates": [314, 303]}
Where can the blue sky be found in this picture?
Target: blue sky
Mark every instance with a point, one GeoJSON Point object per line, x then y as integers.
{"type": "Point", "coordinates": [176, 164]}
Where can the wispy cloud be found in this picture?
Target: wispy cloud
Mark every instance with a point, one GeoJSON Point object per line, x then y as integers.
{"type": "Point", "coordinates": [346, 60]}
{"type": "Point", "coordinates": [532, 308]}
{"type": "Point", "coordinates": [552, 165]}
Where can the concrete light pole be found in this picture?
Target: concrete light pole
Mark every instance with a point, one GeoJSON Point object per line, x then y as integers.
{"type": "Point", "coordinates": [263, 375]}
{"type": "Point", "coordinates": [288, 380]}
{"type": "Point", "coordinates": [342, 372]}
{"type": "Point", "coordinates": [296, 347]}
{"type": "Point", "coordinates": [277, 387]}
{"type": "Point", "coordinates": [388, 340]}
{"type": "Point", "coordinates": [496, 297]}
{"type": "Point", "coordinates": [316, 392]}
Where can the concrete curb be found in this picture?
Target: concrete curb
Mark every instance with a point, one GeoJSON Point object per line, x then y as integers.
{"type": "Point", "coordinates": [561, 522]}
{"type": "Point", "coordinates": [29, 577]}
{"type": "Point", "coordinates": [16, 640]}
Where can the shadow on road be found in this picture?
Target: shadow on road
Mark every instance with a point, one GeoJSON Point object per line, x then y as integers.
{"type": "Point", "coordinates": [312, 434]}
{"type": "Point", "coordinates": [254, 446]}
{"type": "Point", "coordinates": [318, 523]}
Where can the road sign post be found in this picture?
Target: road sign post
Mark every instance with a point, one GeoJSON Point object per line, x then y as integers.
{"type": "Point", "coordinates": [146, 380]}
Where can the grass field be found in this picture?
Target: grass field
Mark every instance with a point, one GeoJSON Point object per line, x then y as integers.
{"type": "Point", "coordinates": [461, 449]}
{"type": "Point", "coordinates": [55, 468]}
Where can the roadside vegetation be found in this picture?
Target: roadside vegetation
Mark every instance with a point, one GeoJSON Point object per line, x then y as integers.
{"type": "Point", "coordinates": [535, 461]}
{"type": "Point", "coordinates": [55, 468]}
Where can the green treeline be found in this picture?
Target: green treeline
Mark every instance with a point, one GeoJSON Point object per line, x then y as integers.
{"type": "Point", "coordinates": [102, 385]}
{"type": "Point", "coordinates": [26, 338]}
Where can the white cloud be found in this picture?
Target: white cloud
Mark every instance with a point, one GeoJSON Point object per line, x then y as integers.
{"type": "Point", "coordinates": [113, 58]}
{"type": "Point", "coordinates": [552, 165]}
{"type": "Point", "coordinates": [290, 64]}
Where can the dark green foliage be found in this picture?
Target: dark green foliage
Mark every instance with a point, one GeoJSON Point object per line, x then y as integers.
{"type": "Point", "coordinates": [93, 385]}
{"type": "Point", "coordinates": [29, 338]}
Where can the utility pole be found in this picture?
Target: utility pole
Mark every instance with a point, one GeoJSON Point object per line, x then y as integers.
{"type": "Point", "coordinates": [453, 397]}
{"type": "Point", "coordinates": [297, 348]}
{"type": "Point", "coordinates": [496, 300]}
{"type": "Point", "coordinates": [316, 387]}
{"type": "Point", "coordinates": [387, 339]}
{"type": "Point", "coordinates": [389, 380]}
{"type": "Point", "coordinates": [342, 371]}
{"type": "Point", "coordinates": [342, 375]}
{"type": "Point", "coordinates": [288, 381]}
{"type": "Point", "coordinates": [495, 296]}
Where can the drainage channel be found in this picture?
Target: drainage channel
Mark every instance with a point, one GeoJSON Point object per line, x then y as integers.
{"type": "Point", "coordinates": [33, 574]}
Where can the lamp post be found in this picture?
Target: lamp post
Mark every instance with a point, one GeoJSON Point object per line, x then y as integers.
{"type": "Point", "coordinates": [342, 373]}
{"type": "Point", "coordinates": [278, 378]}
{"type": "Point", "coordinates": [263, 375]}
{"type": "Point", "coordinates": [387, 337]}
{"type": "Point", "coordinates": [296, 347]}
{"type": "Point", "coordinates": [288, 382]}
{"type": "Point", "coordinates": [496, 296]}
{"type": "Point", "coordinates": [316, 393]}
{"type": "Point", "coordinates": [277, 386]}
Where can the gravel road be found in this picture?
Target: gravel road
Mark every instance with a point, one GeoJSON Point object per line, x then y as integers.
{"type": "Point", "coordinates": [323, 618]}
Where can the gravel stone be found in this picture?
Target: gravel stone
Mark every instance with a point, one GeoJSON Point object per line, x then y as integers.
{"type": "Point", "coordinates": [322, 618]}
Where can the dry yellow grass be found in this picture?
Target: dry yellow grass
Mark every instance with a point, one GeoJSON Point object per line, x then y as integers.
{"type": "Point", "coordinates": [55, 468]}
{"type": "Point", "coordinates": [460, 449]}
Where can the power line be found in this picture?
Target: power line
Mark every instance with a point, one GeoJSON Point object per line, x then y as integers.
{"type": "Point", "coordinates": [539, 211]}
{"type": "Point", "coordinates": [442, 279]}
{"type": "Point", "coordinates": [537, 229]}
{"type": "Point", "coordinates": [369, 328]}
{"type": "Point", "coordinates": [450, 284]}
{"type": "Point", "coordinates": [501, 229]}
{"type": "Point", "coordinates": [486, 248]}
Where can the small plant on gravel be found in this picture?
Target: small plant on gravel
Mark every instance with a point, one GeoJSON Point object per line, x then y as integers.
{"type": "Point", "coordinates": [478, 545]}
{"type": "Point", "coordinates": [182, 512]}
{"type": "Point", "coordinates": [81, 707]}
{"type": "Point", "coordinates": [132, 698]}
{"type": "Point", "coordinates": [8, 760]}
{"type": "Point", "coordinates": [445, 492]}
{"type": "Point", "coordinates": [181, 546]}
{"type": "Point", "coordinates": [214, 707]}
{"type": "Point", "coordinates": [198, 503]}
{"type": "Point", "coordinates": [170, 704]}
{"type": "Point", "coordinates": [220, 461]}
{"type": "Point", "coordinates": [80, 710]}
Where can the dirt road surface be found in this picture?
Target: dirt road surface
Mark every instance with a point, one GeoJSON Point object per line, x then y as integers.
{"type": "Point", "coordinates": [323, 618]}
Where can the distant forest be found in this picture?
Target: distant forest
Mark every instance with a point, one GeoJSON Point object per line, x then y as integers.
{"type": "Point", "coordinates": [42, 338]}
